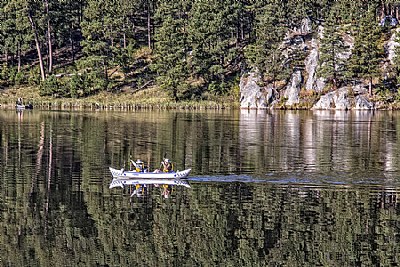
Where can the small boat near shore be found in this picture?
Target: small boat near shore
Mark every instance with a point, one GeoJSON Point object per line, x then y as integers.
{"type": "Point", "coordinates": [121, 182]}
{"type": "Point", "coordinates": [21, 106]}
{"type": "Point", "coordinates": [149, 175]}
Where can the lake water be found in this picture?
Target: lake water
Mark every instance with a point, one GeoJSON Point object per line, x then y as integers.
{"type": "Point", "coordinates": [270, 188]}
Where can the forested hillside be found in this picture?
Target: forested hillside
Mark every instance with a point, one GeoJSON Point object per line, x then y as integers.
{"type": "Point", "coordinates": [191, 49]}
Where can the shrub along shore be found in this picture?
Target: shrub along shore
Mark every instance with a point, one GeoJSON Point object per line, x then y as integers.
{"type": "Point", "coordinates": [151, 98]}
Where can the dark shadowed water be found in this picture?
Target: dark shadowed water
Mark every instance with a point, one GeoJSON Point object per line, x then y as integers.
{"type": "Point", "coordinates": [281, 188]}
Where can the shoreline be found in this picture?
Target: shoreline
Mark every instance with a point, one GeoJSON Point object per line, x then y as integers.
{"type": "Point", "coordinates": [151, 99]}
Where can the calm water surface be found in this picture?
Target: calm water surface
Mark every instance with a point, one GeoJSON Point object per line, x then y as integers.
{"type": "Point", "coordinates": [310, 188]}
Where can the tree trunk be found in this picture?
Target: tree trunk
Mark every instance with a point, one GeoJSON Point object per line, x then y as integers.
{"type": "Point", "coordinates": [384, 9]}
{"type": "Point", "coordinates": [105, 70]}
{"type": "Point", "coordinates": [6, 53]}
{"type": "Point", "coordinates": [124, 33]}
{"type": "Point", "coordinates": [19, 57]}
{"type": "Point", "coordinates": [49, 42]}
{"type": "Point", "coordinates": [370, 87]}
{"type": "Point", "coordinates": [72, 45]}
{"type": "Point", "coordinates": [37, 42]}
{"type": "Point", "coordinates": [148, 25]}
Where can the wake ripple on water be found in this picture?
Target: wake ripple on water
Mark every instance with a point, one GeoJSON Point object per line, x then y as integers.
{"type": "Point", "coordinates": [300, 178]}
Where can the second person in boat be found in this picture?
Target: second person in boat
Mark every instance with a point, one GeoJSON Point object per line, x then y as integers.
{"type": "Point", "coordinates": [166, 165]}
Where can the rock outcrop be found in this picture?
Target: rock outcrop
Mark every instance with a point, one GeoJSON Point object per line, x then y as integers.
{"type": "Point", "coordinates": [254, 96]}
{"type": "Point", "coordinates": [292, 92]}
{"type": "Point", "coordinates": [391, 45]}
{"type": "Point", "coordinates": [345, 98]}
{"type": "Point", "coordinates": [311, 63]}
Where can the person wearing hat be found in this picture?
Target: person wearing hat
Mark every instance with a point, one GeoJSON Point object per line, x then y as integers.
{"type": "Point", "coordinates": [166, 165]}
{"type": "Point", "coordinates": [139, 165]}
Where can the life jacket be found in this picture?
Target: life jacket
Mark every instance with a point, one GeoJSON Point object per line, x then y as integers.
{"type": "Point", "coordinates": [139, 167]}
{"type": "Point", "coordinates": [167, 167]}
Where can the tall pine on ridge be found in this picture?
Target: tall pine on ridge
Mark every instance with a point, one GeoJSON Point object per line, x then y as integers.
{"type": "Point", "coordinates": [332, 61]}
{"type": "Point", "coordinates": [367, 53]}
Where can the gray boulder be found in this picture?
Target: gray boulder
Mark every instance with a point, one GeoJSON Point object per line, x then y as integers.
{"type": "Point", "coordinates": [391, 45]}
{"type": "Point", "coordinates": [292, 91]}
{"type": "Point", "coordinates": [338, 99]}
{"type": "Point", "coordinates": [252, 96]}
{"type": "Point", "coordinates": [311, 64]}
{"type": "Point", "coordinates": [362, 103]}
{"type": "Point", "coordinates": [342, 99]}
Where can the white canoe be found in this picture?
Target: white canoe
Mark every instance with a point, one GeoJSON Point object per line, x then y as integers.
{"type": "Point", "coordinates": [149, 175]}
{"type": "Point", "coordinates": [121, 182]}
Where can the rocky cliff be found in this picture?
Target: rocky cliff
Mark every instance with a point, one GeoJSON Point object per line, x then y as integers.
{"type": "Point", "coordinates": [305, 89]}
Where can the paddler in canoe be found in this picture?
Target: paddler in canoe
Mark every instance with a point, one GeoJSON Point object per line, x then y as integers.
{"type": "Point", "coordinates": [165, 166]}
{"type": "Point", "coordinates": [139, 165]}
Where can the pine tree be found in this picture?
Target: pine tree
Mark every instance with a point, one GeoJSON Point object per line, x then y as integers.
{"type": "Point", "coordinates": [7, 26]}
{"type": "Point", "coordinates": [68, 17]}
{"type": "Point", "coordinates": [367, 52]}
{"type": "Point", "coordinates": [266, 53]}
{"type": "Point", "coordinates": [101, 32]}
{"type": "Point", "coordinates": [171, 49]}
{"type": "Point", "coordinates": [331, 58]}
{"type": "Point", "coordinates": [34, 12]}
{"type": "Point", "coordinates": [213, 41]}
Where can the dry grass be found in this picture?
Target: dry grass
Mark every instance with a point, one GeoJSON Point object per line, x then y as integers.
{"type": "Point", "coordinates": [151, 98]}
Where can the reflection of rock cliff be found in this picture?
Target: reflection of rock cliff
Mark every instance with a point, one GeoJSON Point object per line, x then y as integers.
{"type": "Point", "coordinates": [303, 82]}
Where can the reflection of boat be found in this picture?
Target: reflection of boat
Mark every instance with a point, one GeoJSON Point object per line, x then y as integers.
{"type": "Point", "coordinates": [122, 181]}
{"type": "Point", "coordinates": [149, 175]}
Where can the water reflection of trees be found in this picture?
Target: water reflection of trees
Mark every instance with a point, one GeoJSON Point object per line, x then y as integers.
{"type": "Point", "coordinates": [213, 224]}
{"type": "Point", "coordinates": [320, 141]}
{"type": "Point", "coordinates": [56, 207]}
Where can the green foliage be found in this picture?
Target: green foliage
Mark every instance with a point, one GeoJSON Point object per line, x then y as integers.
{"type": "Point", "coordinates": [171, 49]}
{"type": "Point", "coordinates": [212, 41]}
{"type": "Point", "coordinates": [332, 61]}
{"type": "Point", "coordinates": [196, 47]}
{"type": "Point", "coordinates": [19, 78]}
{"type": "Point", "coordinates": [34, 76]}
{"type": "Point", "coordinates": [367, 52]}
{"type": "Point", "coordinates": [82, 85]}
{"type": "Point", "coordinates": [266, 53]}
{"type": "Point", "coordinates": [49, 87]}
{"type": "Point", "coordinates": [4, 74]}
{"type": "Point", "coordinates": [77, 86]}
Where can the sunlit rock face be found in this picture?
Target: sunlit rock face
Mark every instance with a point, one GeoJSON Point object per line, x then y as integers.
{"type": "Point", "coordinates": [252, 96]}
{"type": "Point", "coordinates": [292, 92]}
{"type": "Point", "coordinates": [286, 93]}
{"type": "Point", "coordinates": [333, 100]}
{"type": "Point", "coordinates": [391, 45]}
{"type": "Point", "coordinates": [344, 98]}
{"type": "Point", "coordinates": [311, 63]}
{"type": "Point", "coordinates": [361, 102]}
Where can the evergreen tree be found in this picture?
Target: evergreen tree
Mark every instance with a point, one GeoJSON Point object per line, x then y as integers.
{"type": "Point", "coordinates": [198, 45]}
{"type": "Point", "coordinates": [367, 52]}
{"type": "Point", "coordinates": [266, 53]}
{"type": "Point", "coordinates": [67, 20]}
{"type": "Point", "coordinates": [171, 48]}
{"type": "Point", "coordinates": [34, 12]}
{"type": "Point", "coordinates": [23, 34]}
{"type": "Point", "coordinates": [299, 10]}
{"type": "Point", "coordinates": [213, 41]}
{"type": "Point", "coordinates": [7, 34]}
{"type": "Point", "coordinates": [332, 48]}
{"type": "Point", "coordinates": [101, 32]}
